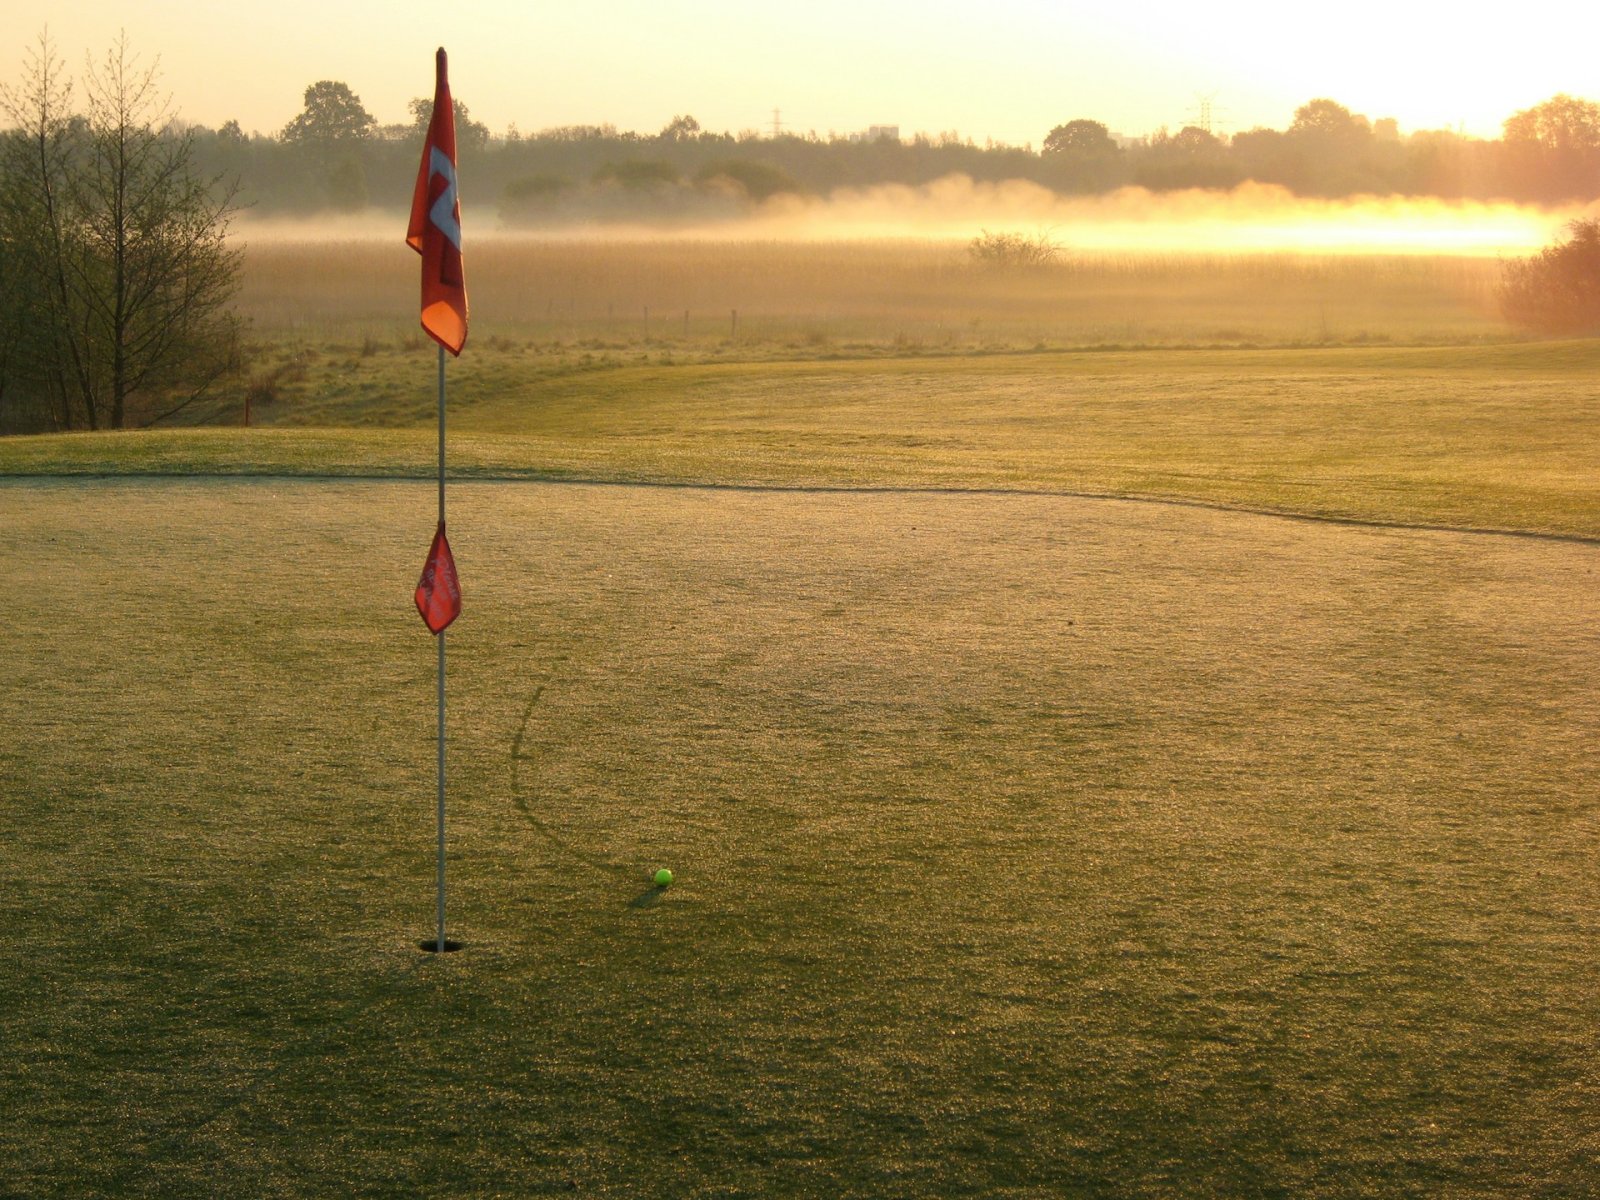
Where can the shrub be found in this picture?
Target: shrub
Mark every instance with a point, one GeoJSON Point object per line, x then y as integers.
{"type": "Point", "coordinates": [1557, 291]}
{"type": "Point", "coordinates": [1014, 251]}
{"type": "Point", "coordinates": [758, 181]}
{"type": "Point", "coordinates": [637, 175]}
{"type": "Point", "coordinates": [533, 196]}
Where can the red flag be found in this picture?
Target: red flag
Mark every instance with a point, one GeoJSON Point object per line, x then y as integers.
{"type": "Point", "coordinates": [435, 229]}
{"type": "Point", "coordinates": [439, 591]}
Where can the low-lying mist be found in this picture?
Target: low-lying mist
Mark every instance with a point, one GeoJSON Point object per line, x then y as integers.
{"type": "Point", "coordinates": [1253, 218]}
{"type": "Point", "coordinates": [726, 295]}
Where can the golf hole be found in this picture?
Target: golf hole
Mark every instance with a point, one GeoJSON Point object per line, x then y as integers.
{"type": "Point", "coordinates": [432, 946]}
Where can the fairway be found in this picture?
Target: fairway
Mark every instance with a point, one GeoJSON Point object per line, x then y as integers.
{"type": "Point", "coordinates": [1025, 845]}
{"type": "Point", "coordinates": [1491, 437]}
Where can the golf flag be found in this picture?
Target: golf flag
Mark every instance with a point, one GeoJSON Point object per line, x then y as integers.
{"type": "Point", "coordinates": [439, 591]}
{"type": "Point", "coordinates": [435, 229]}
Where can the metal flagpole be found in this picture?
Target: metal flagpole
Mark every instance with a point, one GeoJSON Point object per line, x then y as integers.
{"type": "Point", "coordinates": [434, 231]}
{"type": "Point", "coordinates": [439, 946]}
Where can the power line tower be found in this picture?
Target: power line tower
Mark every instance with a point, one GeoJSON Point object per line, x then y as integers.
{"type": "Point", "coordinates": [1205, 117]}
{"type": "Point", "coordinates": [777, 124]}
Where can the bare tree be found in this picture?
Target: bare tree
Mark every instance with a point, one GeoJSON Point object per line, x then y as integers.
{"type": "Point", "coordinates": [124, 246]}
{"type": "Point", "coordinates": [35, 296]}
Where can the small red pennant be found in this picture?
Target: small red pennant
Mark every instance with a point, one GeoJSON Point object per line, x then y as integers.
{"type": "Point", "coordinates": [439, 590]}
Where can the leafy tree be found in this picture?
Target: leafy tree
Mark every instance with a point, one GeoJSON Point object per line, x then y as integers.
{"type": "Point", "coordinates": [1191, 158]}
{"type": "Point", "coordinates": [1440, 162]}
{"type": "Point", "coordinates": [679, 129]}
{"type": "Point", "coordinates": [1334, 147]}
{"type": "Point", "coordinates": [1079, 139]}
{"type": "Point", "coordinates": [1560, 123]}
{"type": "Point", "coordinates": [345, 185]}
{"type": "Point", "coordinates": [1557, 291]}
{"type": "Point", "coordinates": [638, 175]}
{"type": "Point", "coordinates": [1082, 156]}
{"type": "Point", "coordinates": [333, 115]}
{"type": "Point", "coordinates": [1329, 123]}
{"type": "Point", "coordinates": [470, 134]}
{"type": "Point", "coordinates": [1268, 156]}
{"type": "Point", "coordinates": [757, 181]}
{"type": "Point", "coordinates": [118, 244]}
{"type": "Point", "coordinates": [1553, 150]}
{"type": "Point", "coordinates": [577, 134]}
{"type": "Point", "coordinates": [532, 197]}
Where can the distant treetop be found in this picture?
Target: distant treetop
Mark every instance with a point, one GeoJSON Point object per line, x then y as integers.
{"type": "Point", "coordinates": [333, 114]}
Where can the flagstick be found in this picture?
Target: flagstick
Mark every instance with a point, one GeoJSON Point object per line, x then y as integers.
{"type": "Point", "coordinates": [439, 946]}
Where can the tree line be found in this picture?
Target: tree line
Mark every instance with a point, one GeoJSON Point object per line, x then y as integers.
{"type": "Point", "coordinates": [335, 156]}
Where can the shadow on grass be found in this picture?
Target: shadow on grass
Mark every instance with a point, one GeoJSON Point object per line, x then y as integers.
{"type": "Point", "coordinates": [649, 897]}
{"type": "Point", "coordinates": [163, 1146]}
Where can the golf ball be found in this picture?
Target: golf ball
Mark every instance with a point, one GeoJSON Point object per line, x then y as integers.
{"type": "Point", "coordinates": [662, 877]}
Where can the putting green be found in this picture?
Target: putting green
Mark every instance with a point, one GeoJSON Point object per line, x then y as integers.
{"type": "Point", "coordinates": [1025, 845]}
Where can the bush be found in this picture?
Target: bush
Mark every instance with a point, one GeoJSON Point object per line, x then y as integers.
{"type": "Point", "coordinates": [757, 181]}
{"type": "Point", "coordinates": [534, 196]}
{"type": "Point", "coordinates": [638, 175]}
{"type": "Point", "coordinates": [1557, 291]}
{"type": "Point", "coordinates": [1014, 251]}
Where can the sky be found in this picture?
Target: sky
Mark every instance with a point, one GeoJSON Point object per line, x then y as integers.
{"type": "Point", "coordinates": [1001, 70]}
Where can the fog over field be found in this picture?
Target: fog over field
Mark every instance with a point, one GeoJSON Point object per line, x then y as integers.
{"type": "Point", "coordinates": [1250, 218]}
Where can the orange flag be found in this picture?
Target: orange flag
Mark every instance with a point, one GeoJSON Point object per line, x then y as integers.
{"type": "Point", "coordinates": [435, 229]}
{"type": "Point", "coordinates": [439, 591]}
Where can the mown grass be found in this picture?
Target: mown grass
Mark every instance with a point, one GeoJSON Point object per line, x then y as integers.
{"type": "Point", "coordinates": [1504, 437]}
{"type": "Point", "coordinates": [1026, 846]}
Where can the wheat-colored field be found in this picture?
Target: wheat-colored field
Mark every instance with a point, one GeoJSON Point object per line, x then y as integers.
{"type": "Point", "coordinates": [861, 294]}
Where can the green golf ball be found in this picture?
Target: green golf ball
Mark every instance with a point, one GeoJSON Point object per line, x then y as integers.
{"type": "Point", "coordinates": [663, 877]}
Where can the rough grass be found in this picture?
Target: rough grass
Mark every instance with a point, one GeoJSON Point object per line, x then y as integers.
{"type": "Point", "coordinates": [1504, 437]}
{"type": "Point", "coordinates": [1025, 846]}
{"type": "Point", "coordinates": [852, 296]}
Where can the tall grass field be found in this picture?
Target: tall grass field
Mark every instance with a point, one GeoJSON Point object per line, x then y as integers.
{"type": "Point", "coordinates": [1156, 763]}
{"type": "Point", "coordinates": [851, 296]}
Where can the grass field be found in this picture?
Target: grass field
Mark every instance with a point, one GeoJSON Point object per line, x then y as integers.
{"type": "Point", "coordinates": [902, 295]}
{"type": "Point", "coordinates": [1501, 437]}
{"type": "Point", "coordinates": [1025, 846]}
{"type": "Point", "coordinates": [1051, 816]}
